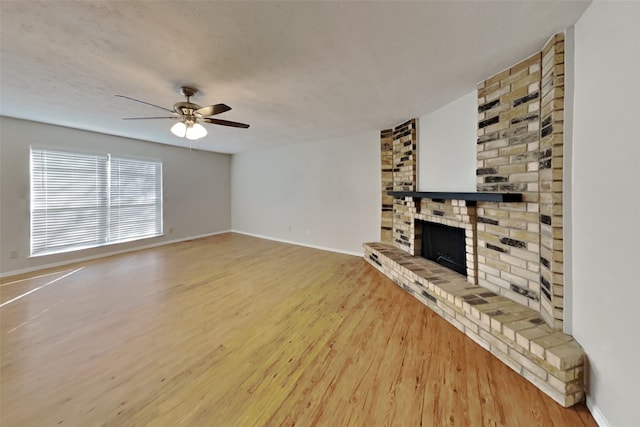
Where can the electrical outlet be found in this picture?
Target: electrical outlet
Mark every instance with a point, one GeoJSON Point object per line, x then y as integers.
{"type": "Point", "coordinates": [308, 232]}
{"type": "Point", "coordinates": [13, 254]}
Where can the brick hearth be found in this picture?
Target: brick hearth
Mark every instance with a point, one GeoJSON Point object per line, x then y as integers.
{"type": "Point", "coordinates": [515, 334]}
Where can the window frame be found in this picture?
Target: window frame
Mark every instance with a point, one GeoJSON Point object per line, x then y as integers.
{"type": "Point", "coordinates": [105, 210]}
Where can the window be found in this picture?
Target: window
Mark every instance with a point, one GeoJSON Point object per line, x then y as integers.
{"type": "Point", "coordinates": [82, 200]}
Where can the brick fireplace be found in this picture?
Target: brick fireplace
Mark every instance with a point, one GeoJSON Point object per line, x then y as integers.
{"type": "Point", "coordinates": [511, 300]}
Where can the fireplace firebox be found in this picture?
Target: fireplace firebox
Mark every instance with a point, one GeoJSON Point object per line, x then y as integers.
{"type": "Point", "coordinates": [444, 245]}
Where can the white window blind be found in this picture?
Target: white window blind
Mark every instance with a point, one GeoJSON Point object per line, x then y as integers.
{"type": "Point", "coordinates": [86, 200]}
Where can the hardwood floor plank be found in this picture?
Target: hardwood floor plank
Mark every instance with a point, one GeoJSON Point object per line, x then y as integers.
{"type": "Point", "coordinates": [233, 330]}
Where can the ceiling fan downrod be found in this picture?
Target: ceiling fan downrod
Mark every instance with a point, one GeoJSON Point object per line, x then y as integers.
{"type": "Point", "coordinates": [188, 92]}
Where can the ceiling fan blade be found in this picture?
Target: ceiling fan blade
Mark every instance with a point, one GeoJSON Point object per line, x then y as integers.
{"type": "Point", "coordinates": [147, 118]}
{"type": "Point", "coordinates": [144, 102]}
{"type": "Point", "coordinates": [212, 110]}
{"type": "Point", "coordinates": [225, 123]}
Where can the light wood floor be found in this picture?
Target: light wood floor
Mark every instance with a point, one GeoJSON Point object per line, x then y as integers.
{"type": "Point", "coordinates": [237, 331]}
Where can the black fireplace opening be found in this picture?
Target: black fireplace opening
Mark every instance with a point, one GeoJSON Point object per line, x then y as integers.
{"type": "Point", "coordinates": [445, 245]}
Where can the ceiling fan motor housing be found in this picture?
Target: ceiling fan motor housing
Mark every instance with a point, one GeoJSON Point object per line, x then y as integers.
{"type": "Point", "coordinates": [185, 108]}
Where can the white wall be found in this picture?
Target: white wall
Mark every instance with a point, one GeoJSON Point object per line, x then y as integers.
{"type": "Point", "coordinates": [323, 193]}
{"type": "Point", "coordinates": [447, 146]}
{"type": "Point", "coordinates": [197, 188]}
{"type": "Point", "coordinates": [606, 235]}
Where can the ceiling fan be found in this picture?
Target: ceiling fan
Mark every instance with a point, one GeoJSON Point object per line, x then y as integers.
{"type": "Point", "coordinates": [190, 115]}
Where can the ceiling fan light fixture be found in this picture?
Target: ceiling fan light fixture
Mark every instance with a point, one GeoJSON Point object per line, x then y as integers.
{"type": "Point", "coordinates": [179, 129]}
{"type": "Point", "coordinates": [196, 131]}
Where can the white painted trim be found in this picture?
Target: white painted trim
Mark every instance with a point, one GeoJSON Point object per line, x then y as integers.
{"type": "Point", "coordinates": [89, 258]}
{"type": "Point", "coordinates": [597, 414]}
{"type": "Point", "coordinates": [291, 242]}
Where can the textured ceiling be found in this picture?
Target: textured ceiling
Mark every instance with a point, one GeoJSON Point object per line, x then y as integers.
{"type": "Point", "coordinates": [296, 71]}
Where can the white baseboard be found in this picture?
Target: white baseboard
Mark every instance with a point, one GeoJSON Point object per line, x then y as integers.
{"type": "Point", "coordinates": [89, 258]}
{"type": "Point", "coordinates": [597, 414]}
{"type": "Point", "coordinates": [291, 242]}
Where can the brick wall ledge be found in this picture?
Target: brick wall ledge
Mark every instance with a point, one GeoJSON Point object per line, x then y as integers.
{"type": "Point", "coordinates": [551, 360]}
